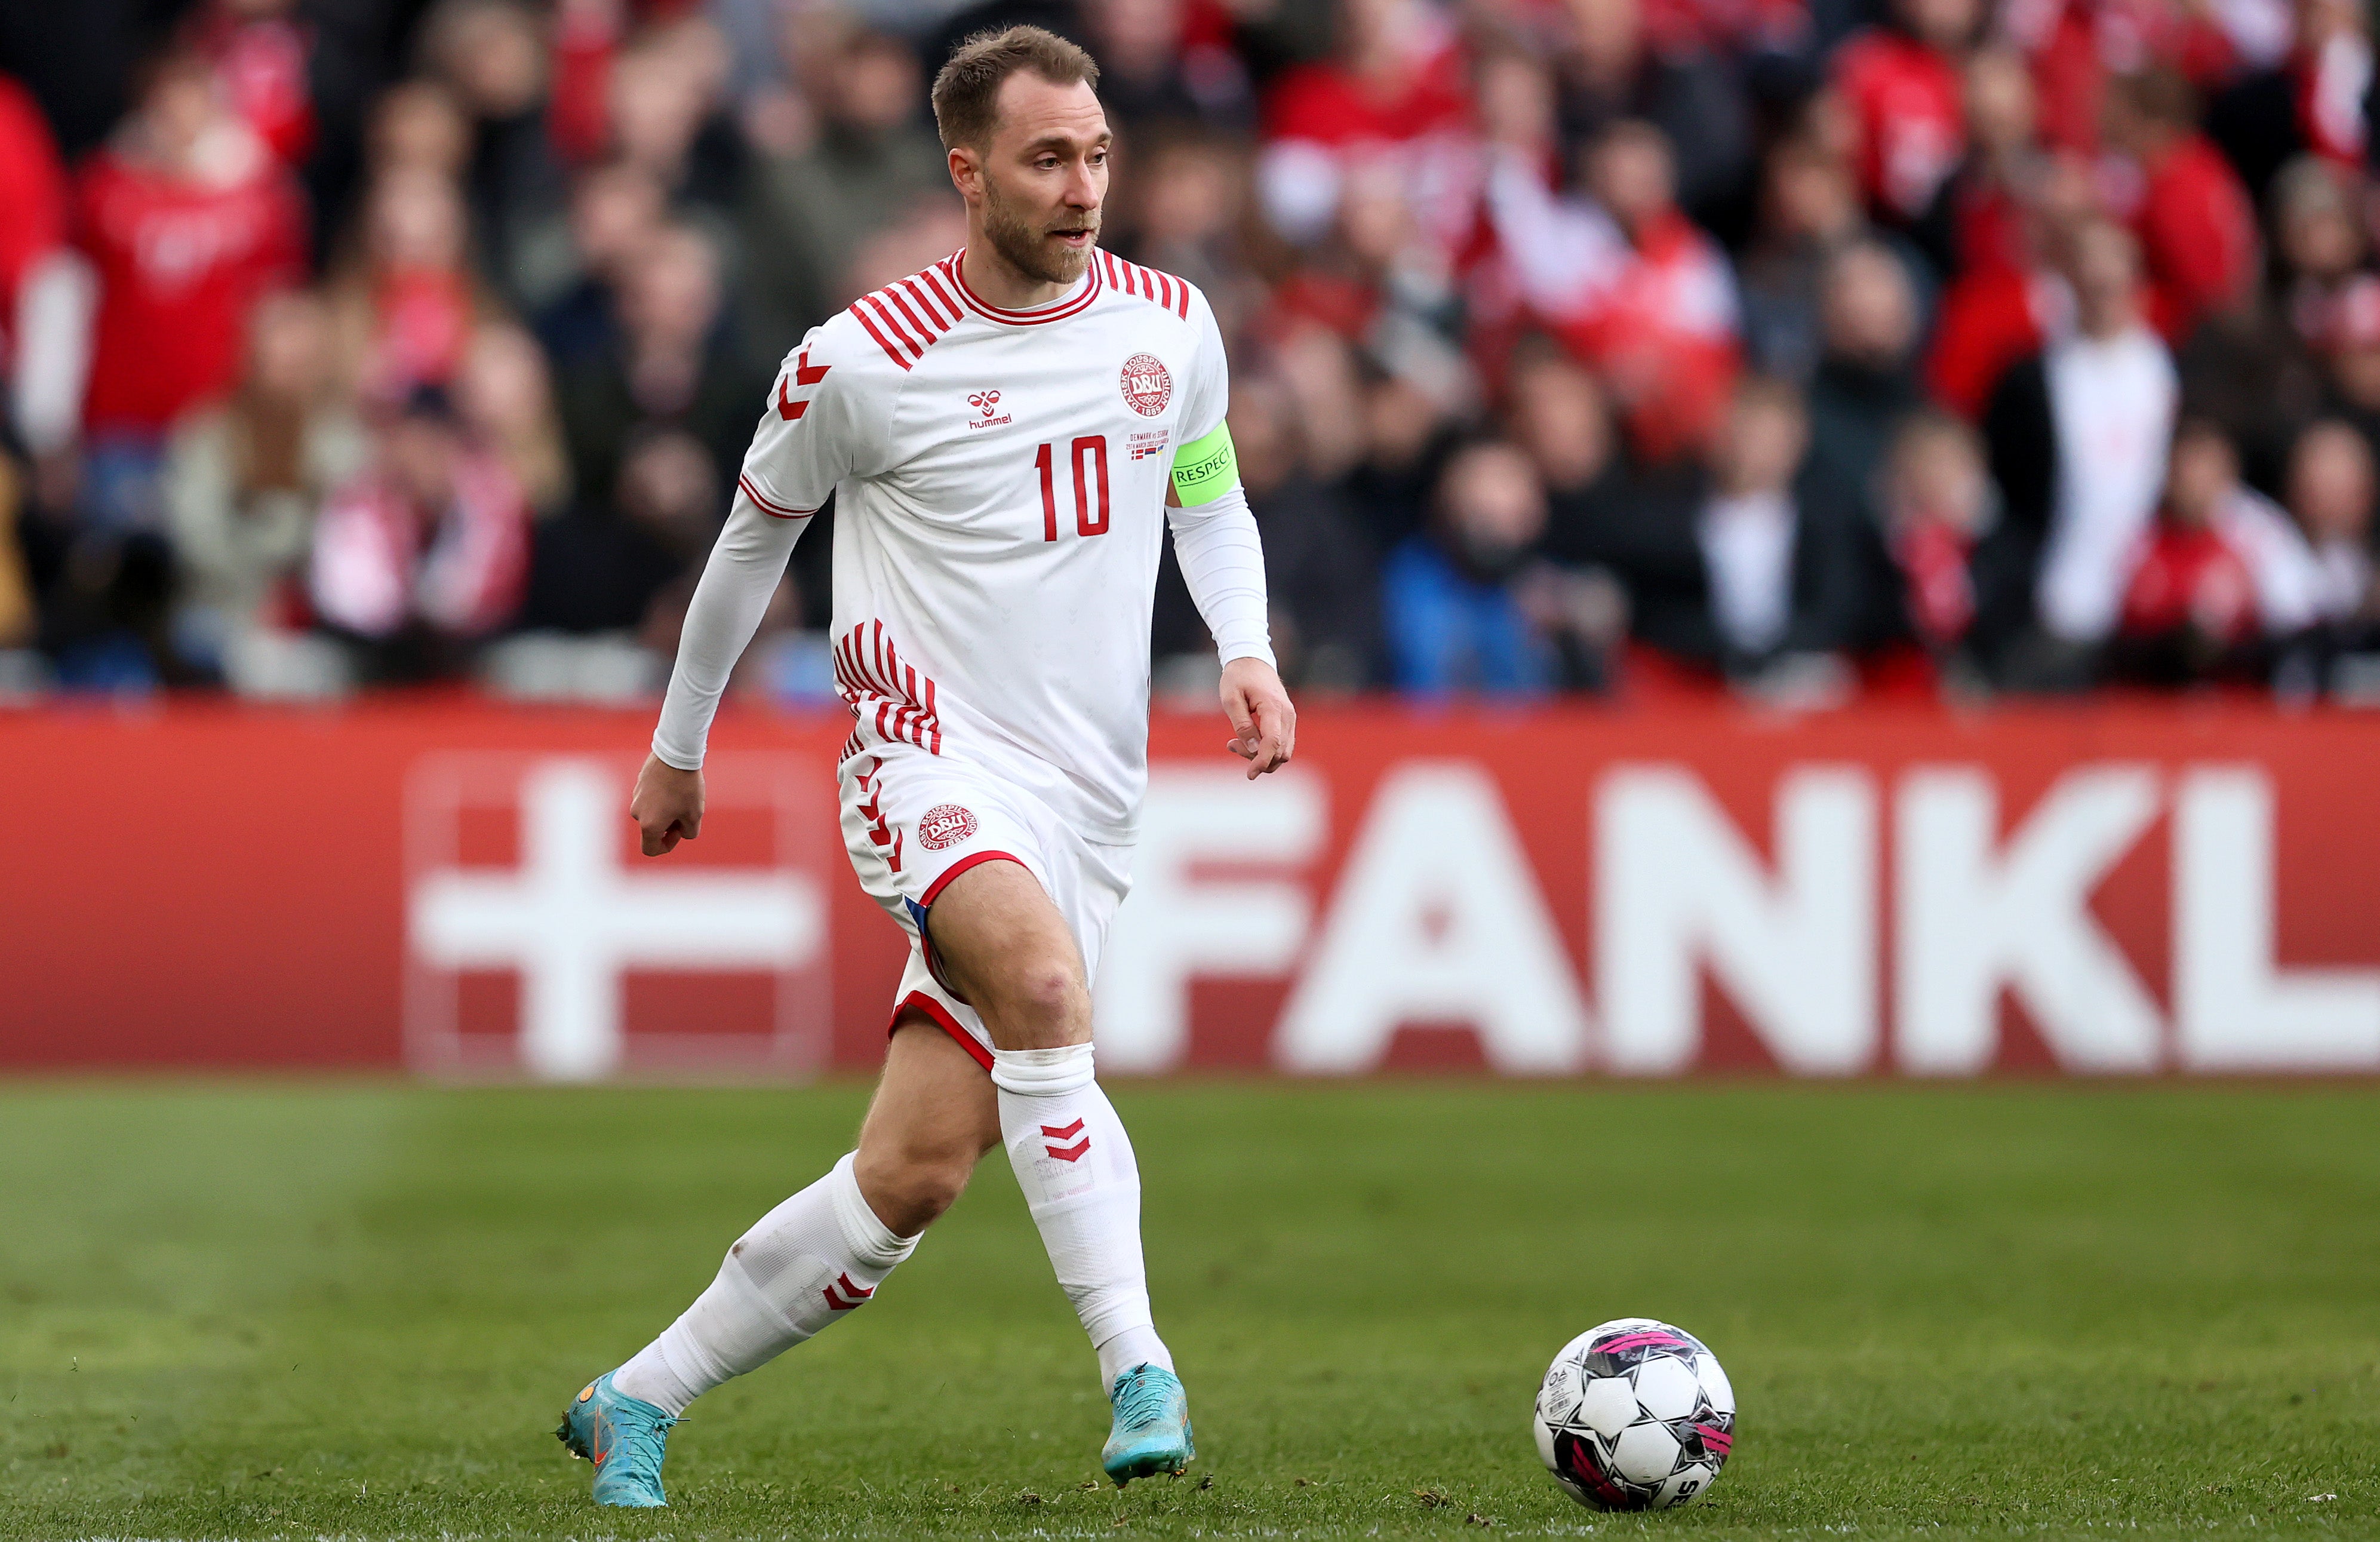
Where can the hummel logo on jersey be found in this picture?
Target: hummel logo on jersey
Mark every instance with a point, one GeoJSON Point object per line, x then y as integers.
{"type": "Point", "coordinates": [1066, 1131]}
{"type": "Point", "coordinates": [788, 408]}
{"type": "Point", "coordinates": [986, 403]}
{"type": "Point", "coordinates": [851, 1294]}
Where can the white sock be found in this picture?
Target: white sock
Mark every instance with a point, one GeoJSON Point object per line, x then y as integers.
{"type": "Point", "coordinates": [1075, 1166]}
{"type": "Point", "coordinates": [1132, 1348]}
{"type": "Point", "coordinates": [809, 1262]}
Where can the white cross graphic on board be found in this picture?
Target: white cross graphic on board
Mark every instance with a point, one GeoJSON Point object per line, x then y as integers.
{"type": "Point", "coordinates": [570, 920]}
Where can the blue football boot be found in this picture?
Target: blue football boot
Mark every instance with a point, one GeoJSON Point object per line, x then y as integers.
{"type": "Point", "coordinates": [1152, 1426]}
{"type": "Point", "coordinates": [625, 1436]}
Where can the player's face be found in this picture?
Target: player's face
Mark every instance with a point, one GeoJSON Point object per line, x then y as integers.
{"type": "Point", "coordinates": [1045, 177]}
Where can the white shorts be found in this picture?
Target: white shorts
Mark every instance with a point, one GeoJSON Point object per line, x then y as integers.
{"type": "Point", "coordinates": [913, 822]}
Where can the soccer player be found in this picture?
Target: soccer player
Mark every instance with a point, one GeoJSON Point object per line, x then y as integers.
{"type": "Point", "coordinates": [1003, 431]}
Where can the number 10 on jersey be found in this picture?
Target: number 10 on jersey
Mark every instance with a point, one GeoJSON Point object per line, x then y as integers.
{"type": "Point", "coordinates": [1088, 451]}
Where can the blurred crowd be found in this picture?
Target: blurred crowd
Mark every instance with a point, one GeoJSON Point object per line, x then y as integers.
{"type": "Point", "coordinates": [1804, 348]}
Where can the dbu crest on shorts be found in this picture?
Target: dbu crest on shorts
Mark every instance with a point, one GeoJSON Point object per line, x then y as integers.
{"type": "Point", "coordinates": [944, 826]}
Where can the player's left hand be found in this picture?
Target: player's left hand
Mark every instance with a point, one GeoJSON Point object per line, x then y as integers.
{"type": "Point", "coordinates": [1264, 725]}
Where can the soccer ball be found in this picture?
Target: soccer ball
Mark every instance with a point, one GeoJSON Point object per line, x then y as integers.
{"type": "Point", "coordinates": [1635, 1415]}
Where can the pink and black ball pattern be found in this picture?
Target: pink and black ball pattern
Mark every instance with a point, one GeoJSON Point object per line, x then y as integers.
{"type": "Point", "coordinates": [1636, 1415]}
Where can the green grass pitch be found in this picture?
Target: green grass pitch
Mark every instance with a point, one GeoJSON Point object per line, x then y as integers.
{"type": "Point", "coordinates": [256, 1309]}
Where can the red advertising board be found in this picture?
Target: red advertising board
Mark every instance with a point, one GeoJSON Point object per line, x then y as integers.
{"type": "Point", "coordinates": [453, 886]}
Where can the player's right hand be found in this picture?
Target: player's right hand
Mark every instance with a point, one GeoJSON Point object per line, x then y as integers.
{"type": "Point", "coordinates": [1264, 725]}
{"type": "Point", "coordinates": [667, 806]}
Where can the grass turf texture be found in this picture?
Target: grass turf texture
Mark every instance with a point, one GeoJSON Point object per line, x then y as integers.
{"type": "Point", "coordinates": [263, 1310]}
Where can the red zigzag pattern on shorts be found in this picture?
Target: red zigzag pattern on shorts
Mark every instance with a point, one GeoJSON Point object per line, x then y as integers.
{"type": "Point", "coordinates": [879, 830]}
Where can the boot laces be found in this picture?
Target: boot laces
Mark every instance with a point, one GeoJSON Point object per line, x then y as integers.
{"type": "Point", "coordinates": [643, 1440]}
{"type": "Point", "coordinates": [1141, 1398]}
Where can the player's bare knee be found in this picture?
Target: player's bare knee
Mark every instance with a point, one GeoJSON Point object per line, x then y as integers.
{"type": "Point", "coordinates": [1050, 990]}
{"type": "Point", "coordinates": [910, 1186]}
{"type": "Point", "coordinates": [931, 1188]}
{"type": "Point", "coordinates": [1041, 1002]}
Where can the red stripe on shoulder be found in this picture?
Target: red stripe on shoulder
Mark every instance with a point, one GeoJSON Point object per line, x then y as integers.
{"type": "Point", "coordinates": [926, 335]}
{"type": "Point", "coordinates": [940, 293]}
{"type": "Point", "coordinates": [895, 355]}
{"type": "Point", "coordinates": [1159, 289]}
{"type": "Point", "coordinates": [913, 345]}
{"type": "Point", "coordinates": [941, 323]}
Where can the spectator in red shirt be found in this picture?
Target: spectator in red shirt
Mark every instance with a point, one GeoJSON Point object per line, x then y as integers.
{"type": "Point", "coordinates": [1902, 85]}
{"type": "Point", "coordinates": [1957, 583]}
{"type": "Point", "coordinates": [2184, 613]}
{"type": "Point", "coordinates": [2189, 609]}
{"type": "Point", "coordinates": [1977, 223]}
{"type": "Point", "coordinates": [261, 58]}
{"type": "Point", "coordinates": [1991, 318]}
{"type": "Point", "coordinates": [1627, 283]}
{"type": "Point", "coordinates": [1395, 89]}
{"type": "Point", "coordinates": [2074, 45]}
{"type": "Point", "coordinates": [2197, 230]}
{"type": "Point", "coordinates": [188, 218]}
{"type": "Point", "coordinates": [406, 311]}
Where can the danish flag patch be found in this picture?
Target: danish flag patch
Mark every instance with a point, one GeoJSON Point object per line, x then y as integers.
{"type": "Point", "coordinates": [1054, 1134]}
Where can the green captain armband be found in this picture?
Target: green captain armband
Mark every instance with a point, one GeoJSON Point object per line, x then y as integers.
{"type": "Point", "coordinates": [1205, 471]}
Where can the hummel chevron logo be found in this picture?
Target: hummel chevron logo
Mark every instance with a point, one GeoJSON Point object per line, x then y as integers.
{"type": "Point", "coordinates": [788, 408]}
{"type": "Point", "coordinates": [1067, 1132]}
{"type": "Point", "coordinates": [851, 1294]}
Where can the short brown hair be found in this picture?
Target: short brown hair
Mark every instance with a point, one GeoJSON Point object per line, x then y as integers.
{"type": "Point", "coordinates": [967, 91]}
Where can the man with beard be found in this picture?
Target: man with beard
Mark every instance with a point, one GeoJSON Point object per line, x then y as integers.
{"type": "Point", "coordinates": [1006, 431]}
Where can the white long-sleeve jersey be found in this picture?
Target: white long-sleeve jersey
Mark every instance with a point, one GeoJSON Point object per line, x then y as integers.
{"type": "Point", "coordinates": [1001, 479]}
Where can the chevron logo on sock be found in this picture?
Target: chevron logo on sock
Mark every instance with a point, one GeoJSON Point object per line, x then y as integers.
{"type": "Point", "coordinates": [1067, 1132]}
{"type": "Point", "coordinates": [851, 1294]}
